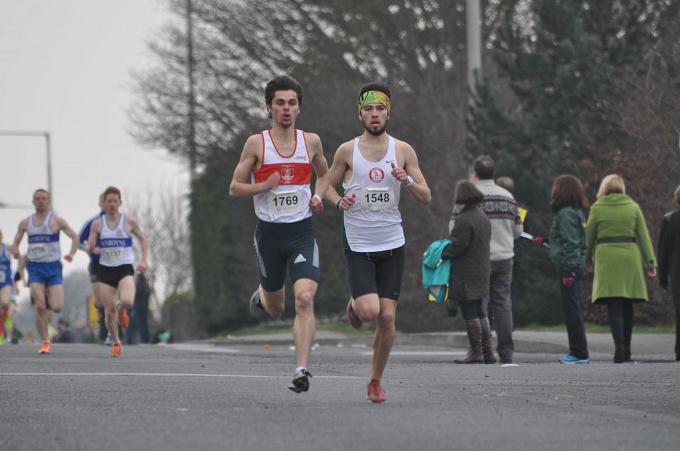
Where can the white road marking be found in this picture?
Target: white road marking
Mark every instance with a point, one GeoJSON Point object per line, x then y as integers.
{"type": "Point", "coordinates": [118, 374]}
{"type": "Point", "coordinates": [202, 348]}
{"type": "Point", "coordinates": [420, 353]}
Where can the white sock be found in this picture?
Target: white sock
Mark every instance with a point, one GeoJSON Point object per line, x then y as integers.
{"type": "Point", "coordinates": [300, 368]}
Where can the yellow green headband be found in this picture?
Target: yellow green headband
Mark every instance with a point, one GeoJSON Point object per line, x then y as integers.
{"type": "Point", "coordinates": [373, 97]}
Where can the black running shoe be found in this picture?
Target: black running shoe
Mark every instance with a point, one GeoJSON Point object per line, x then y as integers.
{"type": "Point", "coordinates": [256, 308]}
{"type": "Point", "coordinates": [300, 381]}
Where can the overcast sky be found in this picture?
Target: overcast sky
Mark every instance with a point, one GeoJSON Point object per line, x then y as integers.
{"type": "Point", "coordinates": [65, 68]}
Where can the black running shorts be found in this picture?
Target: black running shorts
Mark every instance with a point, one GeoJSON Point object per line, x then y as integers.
{"type": "Point", "coordinates": [281, 245]}
{"type": "Point", "coordinates": [375, 272]}
{"type": "Point", "coordinates": [112, 275]}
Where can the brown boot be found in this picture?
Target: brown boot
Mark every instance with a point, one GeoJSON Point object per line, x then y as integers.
{"type": "Point", "coordinates": [487, 350]}
{"type": "Point", "coordinates": [474, 333]}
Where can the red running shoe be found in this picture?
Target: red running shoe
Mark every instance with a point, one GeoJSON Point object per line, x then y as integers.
{"type": "Point", "coordinates": [352, 317]}
{"type": "Point", "coordinates": [123, 318]}
{"type": "Point", "coordinates": [46, 348]}
{"type": "Point", "coordinates": [116, 350]}
{"type": "Point", "coordinates": [376, 393]}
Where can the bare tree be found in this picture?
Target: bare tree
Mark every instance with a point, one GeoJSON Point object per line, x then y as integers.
{"type": "Point", "coordinates": [162, 215]}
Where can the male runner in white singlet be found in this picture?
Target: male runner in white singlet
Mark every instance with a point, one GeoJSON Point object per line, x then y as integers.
{"type": "Point", "coordinates": [111, 239]}
{"type": "Point", "coordinates": [276, 171]}
{"type": "Point", "coordinates": [373, 168]}
{"type": "Point", "coordinates": [44, 261]}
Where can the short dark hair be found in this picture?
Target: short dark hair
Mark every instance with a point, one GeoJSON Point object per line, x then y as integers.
{"type": "Point", "coordinates": [113, 190]}
{"type": "Point", "coordinates": [568, 191]}
{"type": "Point", "coordinates": [467, 193]}
{"type": "Point", "coordinates": [282, 83]}
{"type": "Point", "coordinates": [484, 167]}
{"type": "Point", "coordinates": [506, 182]}
{"type": "Point", "coordinates": [376, 87]}
{"type": "Point", "coordinates": [41, 190]}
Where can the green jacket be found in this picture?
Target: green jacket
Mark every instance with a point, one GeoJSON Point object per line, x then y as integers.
{"type": "Point", "coordinates": [568, 239]}
{"type": "Point", "coordinates": [619, 267]}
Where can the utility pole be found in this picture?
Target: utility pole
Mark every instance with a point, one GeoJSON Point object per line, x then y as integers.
{"type": "Point", "coordinates": [191, 132]}
{"type": "Point", "coordinates": [473, 34]}
{"type": "Point", "coordinates": [191, 135]}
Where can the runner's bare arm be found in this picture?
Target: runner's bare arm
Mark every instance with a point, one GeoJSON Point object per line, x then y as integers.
{"type": "Point", "coordinates": [320, 167]}
{"type": "Point", "coordinates": [240, 185]}
{"type": "Point", "coordinates": [14, 249]}
{"type": "Point", "coordinates": [92, 239]}
{"type": "Point", "coordinates": [69, 232]}
{"type": "Point", "coordinates": [417, 186]}
{"type": "Point", "coordinates": [137, 232]}
{"type": "Point", "coordinates": [336, 174]}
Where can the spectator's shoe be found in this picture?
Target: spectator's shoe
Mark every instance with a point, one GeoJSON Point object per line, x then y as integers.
{"type": "Point", "coordinates": [352, 317]}
{"type": "Point", "coordinates": [618, 355]}
{"type": "Point", "coordinates": [375, 392]}
{"type": "Point", "coordinates": [571, 360]}
{"type": "Point", "coordinates": [46, 348]}
{"type": "Point", "coordinates": [123, 318]}
{"type": "Point", "coordinates": [300, 381]}
{"type": "Point", "coordinates": [116, 350]}
{"type": "Point", "coordinates": [109, 340]}
{"type": "Point", "coordinates": [256, 308]}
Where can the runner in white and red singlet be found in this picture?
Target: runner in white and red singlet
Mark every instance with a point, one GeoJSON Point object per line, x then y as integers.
{"type": "Point", "coordinates": [276, 171]}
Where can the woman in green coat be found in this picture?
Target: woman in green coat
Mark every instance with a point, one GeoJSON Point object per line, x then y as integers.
{"type": "Point", "coordinates": [619, 245]}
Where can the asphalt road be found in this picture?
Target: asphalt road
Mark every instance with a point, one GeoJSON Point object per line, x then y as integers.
{"type": "Point", "coordinates": [201, 397]}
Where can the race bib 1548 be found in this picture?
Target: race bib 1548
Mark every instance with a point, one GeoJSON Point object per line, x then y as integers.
{"type": "Point", "coordinates": [377, 199]}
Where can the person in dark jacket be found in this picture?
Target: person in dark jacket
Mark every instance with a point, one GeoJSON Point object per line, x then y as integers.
{"type": "Point", "coordinates": [470, 268]}
{"type": "Point", "coordinates": [669, 262]}
{"type": "Point", "coordinates": [567, 252]}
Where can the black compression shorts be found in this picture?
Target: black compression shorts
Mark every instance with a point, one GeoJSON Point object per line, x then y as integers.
{"type": "Point", "coordinates": [375, 272]}
{"type": "Point", "coordinates": [112, 275]}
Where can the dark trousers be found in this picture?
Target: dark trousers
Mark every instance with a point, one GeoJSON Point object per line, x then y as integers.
{"type": "Point", "coordinates": [620, 313]}
{"type": "Point", "coordinates": [498, 306]}
{"type": "Point", "coordinates": [138, 332]}
{"type": "Point", "coordinates": [142, 321]}
{"type": "Point", "coordinates": [103, 331]}
{"type": "Point", "coordinates": [573, 318]}
{"type": "Point", "coordinates": [472, 309]}
{"type": "Point", "coordinates": [675, 292]}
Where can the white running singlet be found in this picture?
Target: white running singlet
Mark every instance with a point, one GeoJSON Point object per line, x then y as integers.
{"type": "Point", "coordinates": [288, 202]}
{"type": "Point", "coordinates": [43, 243]}
{"type": "Point", "coordinates": [373, 223]}
{"type": "Point", "coordinates": [115, 244]}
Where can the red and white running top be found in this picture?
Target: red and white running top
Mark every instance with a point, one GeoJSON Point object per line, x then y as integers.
{"type": "Point", "coordinates": [288, 202]}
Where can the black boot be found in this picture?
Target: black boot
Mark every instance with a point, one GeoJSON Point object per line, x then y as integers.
{"type": "Point", "coordinates": [487, 350]}
{"type": "Point", "coordinates": [474, 333]}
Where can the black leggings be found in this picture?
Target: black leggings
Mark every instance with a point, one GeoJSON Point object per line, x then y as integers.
{"type": "Point", "coordinates": [620, 313]}
{"type": "Point", "coordinates": [472, 309]}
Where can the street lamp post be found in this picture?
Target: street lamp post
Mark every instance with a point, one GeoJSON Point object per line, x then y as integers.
{"type": "Point", "coordinates": [48, 150]}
